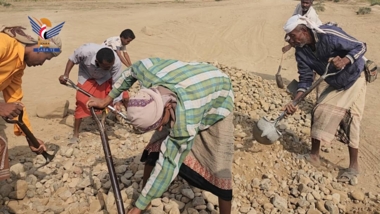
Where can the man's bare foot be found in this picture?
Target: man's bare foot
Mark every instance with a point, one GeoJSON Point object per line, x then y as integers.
{"type": "Point", "coordinates": [312, 159]}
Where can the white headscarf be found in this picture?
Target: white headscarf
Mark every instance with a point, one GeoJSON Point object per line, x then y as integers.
{"type": "Point", "coordinates": [296, 20]}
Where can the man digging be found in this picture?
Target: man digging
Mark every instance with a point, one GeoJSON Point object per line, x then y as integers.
{"type": "Point", "coordinates": [17, 52]}
{"type": "Point", "coordinates": [341, 104]}
{"type": "Point", "coordinates": [190, 106]}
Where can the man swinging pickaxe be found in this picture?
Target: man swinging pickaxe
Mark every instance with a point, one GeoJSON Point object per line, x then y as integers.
{"type": "Point", "coordinates": [32, 140]}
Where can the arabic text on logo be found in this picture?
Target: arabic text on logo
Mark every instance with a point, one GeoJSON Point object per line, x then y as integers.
{"type": "Point", "coordinates": [40, 28]}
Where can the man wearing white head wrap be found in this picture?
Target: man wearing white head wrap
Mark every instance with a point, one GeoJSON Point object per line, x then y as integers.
{"type": "Point", "coordinates": [296, 20]}
{"type": "Point", "coordinates": [340, 107]}
{"type": "Point", "coordinates": [304, 8]}
{"type": "Point", "coordinates": [17, 52]}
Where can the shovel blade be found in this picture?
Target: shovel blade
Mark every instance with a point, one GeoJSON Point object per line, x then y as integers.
{"type": "Point", "coordinates": [257, 134]}
{"type": "Point", "coordinates": [269, 133]}
{"type": "Point", "coordinates": [279, 81]}
{"type": "Point", "coordinates": [292, 87]}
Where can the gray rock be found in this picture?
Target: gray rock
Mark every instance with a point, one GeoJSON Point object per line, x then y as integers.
{"type": "Point", "coordinates": [303, 203]}
{"type": "Point", "coordinates": [358, 195]}
{"type": "Point", "coordinates": [210, 206]}
{"type": "Point", "coordinates": [30, 193]}
{"type": "Point", "coordinates": [74, 182]}
{"type": "Point", "coordinates": [139, 174]}
{"type": "Point", "coordinates": [64, 193]}
{"type": "Point", "coordinates": [188, 193]}
{"type": "Point", "coordinates": [55, 206]}
{"type": "Point", "coordinates": [68, 164]}
{"type": "Point", "coordinates": [171, 206]}
{"type": "Point", "coordinates": [198, 201]}
{"type": "Point", "coordinates": [5, 190]}
{"type": "Point", "coordinates": [20, 190]}
{"type": "Point", "coordinates": [121, 169]}
{"type": "Point", "coordinates": [52, 109]}
{"type": "Point", "coordinates": [180, 204]}
{"type": "Point", "coordinates": [13, 206]}
{"type": "Point", "coordinates": [209, 197]}
{"type": "Point", "coordinates": [265, 184]}
{"type": "Point", "coordinates": [245, 209]}
{"type": "Point", "coordinates": [336, 198]}
{"type": "Point", "coordinates": [128, 174]}
{"type": "Point", "coordinates": [303, 188]}
{"type": "Point", "coordinates": [156, 202]}
{"type": "Point", "coordinates": [157, 210]}
{"type": "Point", "coordinates": [294, 192]}
{"type": "Point", "coordinates": [110, 200]}
{"type": "Point", "coordinates": [313, 211]}
{"type": "Point", "coordinates": [16, 169]}
{"type": "Point", "coordinates": [201, 207]}
{"type": "Point", "coordinates": [255, 183]}
{"type": "Point", "coordinates": [331, 208]}
{"type": "Point", "coordinates": [309, 197]}
{"type": "Point", "coordinates": [316, 195]}
{"type": "Point", "coordinates": [354, 181]}
{"type": "Point", "coordinates": [69, 152]}
{"type": "Point", "coordinates": [279, 202]}
{"type": "Point", "coordinates": [84, 183]}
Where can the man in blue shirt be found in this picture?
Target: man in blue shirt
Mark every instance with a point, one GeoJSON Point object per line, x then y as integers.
{"type": "Point", "coordinates": [340, 107]}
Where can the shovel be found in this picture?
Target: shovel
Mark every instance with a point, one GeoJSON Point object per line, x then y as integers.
{"type": "Point", "coordinates": [110, 166]}
{"type": "Point", "coordinates": [265, 131]}
{"type": "Point", "coordinates": [106, 149]}
{"type": "Point", "coordinates": [29, 135]}
{"type": "Point", "coordinates": [279, 81]}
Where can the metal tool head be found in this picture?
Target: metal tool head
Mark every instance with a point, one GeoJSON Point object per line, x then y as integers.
{"type": "Point", "coordinates": [265, 132]}
{"type": "Point", "coordinates": [292, 87]}
{"type": "Point", "coordinates": [279, 81]}
{"type": "Point", "coordinates": [29, 135]}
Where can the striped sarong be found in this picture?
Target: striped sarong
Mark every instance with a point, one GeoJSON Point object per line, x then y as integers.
{"type": "Point", "coordinates": [338, 114]}
{"type": "Point", "coordinates": [208, 165]}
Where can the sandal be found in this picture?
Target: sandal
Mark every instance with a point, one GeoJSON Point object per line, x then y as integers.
{"type": "Point", "coordinates": [348, 175]}
{"type": "Point", "coordinates": [73, 140]}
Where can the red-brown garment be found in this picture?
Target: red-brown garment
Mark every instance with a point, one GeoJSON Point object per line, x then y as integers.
{"type": "Point", "coordinates": [96, 90]}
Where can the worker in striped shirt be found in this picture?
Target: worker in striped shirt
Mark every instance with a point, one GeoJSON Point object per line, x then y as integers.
{"type": "Point", "coordinates": [190, 106]}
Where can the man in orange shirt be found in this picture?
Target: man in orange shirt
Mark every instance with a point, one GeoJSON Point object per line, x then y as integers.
{"type": "Point", "coordinates": [17, 52]}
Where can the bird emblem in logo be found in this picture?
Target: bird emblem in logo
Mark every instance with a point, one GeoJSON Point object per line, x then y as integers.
{"type": "Point", "coordinates": [40, 28]}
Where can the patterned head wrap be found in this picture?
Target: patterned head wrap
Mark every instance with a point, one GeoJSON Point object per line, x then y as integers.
{"type": "Point", "coordinates": [145, 110]}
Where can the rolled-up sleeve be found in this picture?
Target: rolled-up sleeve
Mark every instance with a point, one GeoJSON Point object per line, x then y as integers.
{"type": "Point", "coordinates": [123, 83]}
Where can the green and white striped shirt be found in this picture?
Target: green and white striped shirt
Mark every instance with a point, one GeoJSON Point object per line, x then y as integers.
{"type": "Point", "coordinates": [204, 96]}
